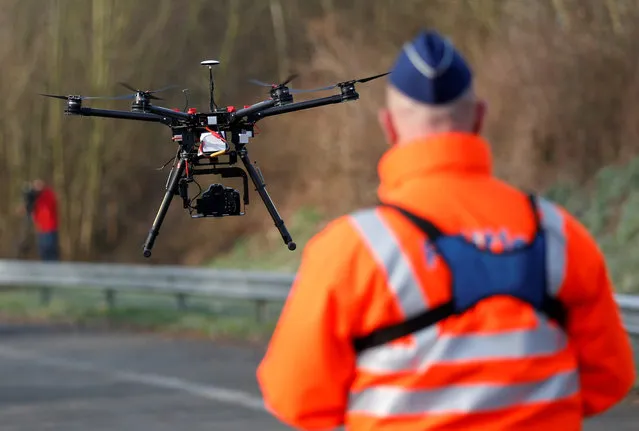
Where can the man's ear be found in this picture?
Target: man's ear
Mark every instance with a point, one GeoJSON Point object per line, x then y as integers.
{"type": "Point", "coordinates": [480, 114]}
{"type": "Point", "coordinates": [386, 122]}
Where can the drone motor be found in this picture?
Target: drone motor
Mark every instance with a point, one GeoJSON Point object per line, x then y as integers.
{"type": "Point", "coordinates": [74, 104]}
{"type": "Point", "coordinates": [140, 103]}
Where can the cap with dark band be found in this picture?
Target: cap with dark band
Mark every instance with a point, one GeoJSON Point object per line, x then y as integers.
{"type": "Point", "coordinates": [430, 70]}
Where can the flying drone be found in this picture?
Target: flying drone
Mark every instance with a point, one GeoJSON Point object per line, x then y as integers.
{"type": "Point", "coordinates": [210, 143]}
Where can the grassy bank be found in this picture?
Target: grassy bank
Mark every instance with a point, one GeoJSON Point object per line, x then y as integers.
{"type": "Point", "coordinates": [608, 206]}
{"type": "Point", "coordinates": [233, 320]}
{"type": "Point", "coordinates": [266, 251]}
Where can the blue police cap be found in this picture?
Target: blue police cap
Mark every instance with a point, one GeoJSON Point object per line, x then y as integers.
{"type": "Point", "coordinates": [430, 70]}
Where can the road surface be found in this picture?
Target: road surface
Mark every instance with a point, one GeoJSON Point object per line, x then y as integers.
{"type": "Point", "coordinates": [55, 379]}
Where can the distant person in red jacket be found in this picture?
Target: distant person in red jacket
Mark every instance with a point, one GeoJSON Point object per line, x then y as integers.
{"type": "Point", "coordinates": [41, 205]}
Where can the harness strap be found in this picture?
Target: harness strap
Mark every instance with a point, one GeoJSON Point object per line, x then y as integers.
{"type": "Point", "coordinates": [402, 329]}
{"type": "Point", "coordinates": [551, 307]}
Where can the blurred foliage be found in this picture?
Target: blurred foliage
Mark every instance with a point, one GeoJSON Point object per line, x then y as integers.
{"type": "Point", "coordinates": [559, 77]}
{"type": "Point", "coordinates": [266, 252]}
{"type": "Point", "coordinates": [609, 207]}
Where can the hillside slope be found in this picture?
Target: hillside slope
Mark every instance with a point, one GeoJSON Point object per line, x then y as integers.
{"type": "Point", "coordinates": [608, 206]}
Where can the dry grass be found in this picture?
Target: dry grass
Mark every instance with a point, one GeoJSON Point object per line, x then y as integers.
{"type": "Point", "coordinates": [560, 78]}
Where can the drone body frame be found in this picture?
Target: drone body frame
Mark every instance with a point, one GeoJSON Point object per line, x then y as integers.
{"type": "Point", "coordinates": [234, 126]}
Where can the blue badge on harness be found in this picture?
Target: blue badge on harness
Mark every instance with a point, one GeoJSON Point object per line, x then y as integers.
{"type": "Point", "coordinates": [478, 274]}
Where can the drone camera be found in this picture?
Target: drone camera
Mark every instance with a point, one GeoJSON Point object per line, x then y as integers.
{"type": "Point", "coordinates": [219, 201]}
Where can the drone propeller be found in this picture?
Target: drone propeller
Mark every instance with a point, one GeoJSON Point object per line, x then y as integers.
{"type": "Point", "coordinates": [148, 94]}
{"type": "Point", "coordinates": [56, 96]}
{"type": "Point", "coordinates": [274, 86]}
{"type": "Point", "coordinates": [340, 84]}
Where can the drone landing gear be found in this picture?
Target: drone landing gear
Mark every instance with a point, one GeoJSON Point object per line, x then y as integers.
{"type": "Point", "coordinates": [173, 187]}
{"type": "Point", "coordinates": [260, 187]}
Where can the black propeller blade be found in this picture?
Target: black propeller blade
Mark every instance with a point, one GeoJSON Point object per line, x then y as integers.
{"type": "Point", "coordinates": [149, 93]}
{"type": "Point", "coordinates": [370, 78]}
{"type": "Point", "coordinates": [56, 96]}
{"type": "Point", "coordinates": [340, 84]}
{"type": "Point", "coordinates": [289, 79]}
{"type": "Point", "coordinates": [264, 84]}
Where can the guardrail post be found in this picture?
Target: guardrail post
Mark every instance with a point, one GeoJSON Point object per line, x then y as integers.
{"type": "Point", "coordinates": [109, 296]}
{"type": "Point", "coordinates": [260, 310]}
{"type": "Point", "coordinates": [181, 301]}
{"type": "Point", "coordinates": [45, 296]}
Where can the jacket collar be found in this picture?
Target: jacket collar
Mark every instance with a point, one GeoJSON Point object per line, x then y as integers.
{"type": "Point", "coordinates": [451, 153]}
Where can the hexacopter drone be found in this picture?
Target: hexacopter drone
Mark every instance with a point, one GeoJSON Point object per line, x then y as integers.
{"type": "Point", "coordinates": [210, 143]}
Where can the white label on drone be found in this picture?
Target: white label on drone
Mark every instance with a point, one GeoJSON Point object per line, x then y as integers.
{"type": "Point", "coordinates": [212, 120]}
{"type": "Point", "coordinates": [244, 138]}
{"type": "Point", "coordinates": [211, 143]}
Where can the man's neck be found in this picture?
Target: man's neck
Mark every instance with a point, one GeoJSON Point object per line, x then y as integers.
{"type": "Point", "coordinates": [426, 136]}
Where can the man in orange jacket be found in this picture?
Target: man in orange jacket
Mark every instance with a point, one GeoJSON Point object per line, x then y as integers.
{"type": "Point", "coordinates": [460, 302]}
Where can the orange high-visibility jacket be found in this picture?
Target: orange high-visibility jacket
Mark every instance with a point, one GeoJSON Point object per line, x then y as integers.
{"type": "Point", "coordinates": [502, 365]}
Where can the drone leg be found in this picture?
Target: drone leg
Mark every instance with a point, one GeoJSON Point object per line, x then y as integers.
{"type": "Point", "coordinates": [268, 202]}
{"type": "Point", "coordinates": [171, 189]}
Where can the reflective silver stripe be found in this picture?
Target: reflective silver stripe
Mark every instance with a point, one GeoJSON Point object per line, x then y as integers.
{"type": "Point", "coordinates": [386, 249]}
{"type": "Point", "coordinates": [384, 401]}
{"type": "Point", "coordinates": [553, 223]}
{"type": "Point", "coordinates": [431, 348]}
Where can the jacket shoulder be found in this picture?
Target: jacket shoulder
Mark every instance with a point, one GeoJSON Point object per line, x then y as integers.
{"type": "Point", "coordinates": [343, 227]}
{"type": "Point", "coordinates": [559, 221]}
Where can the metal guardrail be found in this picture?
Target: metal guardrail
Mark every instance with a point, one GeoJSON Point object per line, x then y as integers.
{"type": "Point", "coordinates": [629, 305]}
{"type": "Point", "coordinates": [181, 282]}
{"type": "Point", "coordinates": [178, 281]}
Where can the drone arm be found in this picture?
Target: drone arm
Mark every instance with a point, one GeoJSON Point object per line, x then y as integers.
{"type": "Point", "coordinates": [254, 109]}
{"type": "Point", "coordinates": [123, 115]}
{"type": "Point", "coordinates": [307, 104]}
{"type": "Point", "coordinates": [177, 115]}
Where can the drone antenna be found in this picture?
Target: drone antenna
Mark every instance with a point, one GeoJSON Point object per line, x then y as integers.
{"type": "Point", "coordinates": [186, 97]}
{"type": "Point", "coordinates": [210, 64]}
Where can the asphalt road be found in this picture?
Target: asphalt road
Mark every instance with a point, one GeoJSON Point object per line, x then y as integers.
{"type": "Point", "coordinates": [55, 379]}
